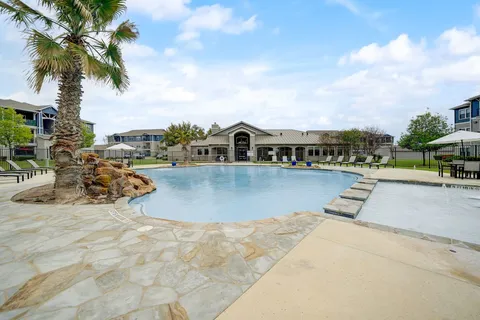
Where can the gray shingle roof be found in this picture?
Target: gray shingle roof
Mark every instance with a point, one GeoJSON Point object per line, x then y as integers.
{"type": "Point", "coordinates": [141, 132]}
{"type": "Point", "coordinates": [288, 136]}
{"type": "Point", "coordinates": [20, 105]}
{"type": "Point", "coordinates": [27, 107]}
{"type": "Point", "coordinates": [463, 105]}
{"type": "Point", "coordinates": [211, 140]}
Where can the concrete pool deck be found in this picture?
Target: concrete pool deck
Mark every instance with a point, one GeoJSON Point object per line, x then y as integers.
{"type": "Point", "coordinates": [80, 262]}
{"type": "Point", "coordinates": [343, 271]}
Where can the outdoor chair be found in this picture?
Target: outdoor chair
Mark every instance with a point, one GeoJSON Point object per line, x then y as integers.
{"type": "Point", "coordinates": [383, 162]}
{"type": "Point", "coordinates": [367, 162]}
{"type": "Point", "coordinates": [36, 166]}
{"type": "Point", "coordinates": [274, 159]}
{"type": "Point", "coordinates": [4, 173]}
{"type": "Point", "coordinates": [350, 161]}
{"type": "Point", "coordinates": [328, 160]}
{"type": "Point", "coordinates": [294, 158]}
{"type": "Point", "coordinates": [284, 159]}
{"type": "Point", "coordinates": [456, 168]}
{"type": "Point", "coordinates": [440, 168]}
{"type": "Point", "coordinates": [17, 168]}
{"type": "Point", "coordinates": [339, 160]}
{"type": "Point", "coordinates": [470, 169]}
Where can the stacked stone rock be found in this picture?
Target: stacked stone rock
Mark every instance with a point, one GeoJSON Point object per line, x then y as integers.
{"type": "Point", "coordinates": [111, 180]}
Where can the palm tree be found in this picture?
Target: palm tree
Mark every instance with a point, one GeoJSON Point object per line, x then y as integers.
{"type": "Point", "coordinates": [73, 43]}
{"type": "Point", "coordinates": [183, 133]}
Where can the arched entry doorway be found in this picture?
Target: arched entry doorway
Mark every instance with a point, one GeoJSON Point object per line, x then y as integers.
{"type": "Point", "coordinates": [242, 145]}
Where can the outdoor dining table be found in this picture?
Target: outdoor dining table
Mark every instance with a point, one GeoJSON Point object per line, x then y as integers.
{"type": "Point", "coordinates": [454, 168]}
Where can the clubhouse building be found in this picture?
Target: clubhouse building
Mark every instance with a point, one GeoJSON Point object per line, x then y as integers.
{"type": "Point", "coordinates": [245, 142]}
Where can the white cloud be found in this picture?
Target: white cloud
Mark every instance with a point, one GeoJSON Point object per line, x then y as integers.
{"type": "Point", "coordinates": [476, 10]}
{"type": "Point", "coordinates": [135, 50]}
{"type": "Point", "coordinates": [169, 52]}
{"type": "Point", "coordinates": [461, 41]}
{"type": "Point", "coordinates": [276, 31]}
{"type": "Point", "coordinates": [467, 70]}
{"type": "Point", "coordinates": [399, 50]}
{"type": "Point", "coordinates": [213, 18]}
{"type": "Point", "coordinates": [161, 9]}
{"type": "Point", "coordinates": [190, 71]}
{"type": "Point", "coordinates": [255, 69]}
{"type": "Point", "coordinates": [372, 17]}
{"type": "Point", "coordinates": [188, 35]}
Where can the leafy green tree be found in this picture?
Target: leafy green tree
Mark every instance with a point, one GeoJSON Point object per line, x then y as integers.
{"type": "Point", "coordinates": [13, 131]}
{"type": "Point", "coordinates": [423, 129]}
{"type": "Point", "coordinates": [88, 137]}
{"type": "Point", "coordinates": [351, 138]}
{"type": "Point", "coordinates": [71, 43]}
{"type": "Point", "coordinates": [183, 133]}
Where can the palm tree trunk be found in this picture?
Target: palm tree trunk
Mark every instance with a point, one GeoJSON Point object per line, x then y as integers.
{"type": "Point", "coordinates": [185, 154]}
{"type": "Point", "coordinates": [68, 135]}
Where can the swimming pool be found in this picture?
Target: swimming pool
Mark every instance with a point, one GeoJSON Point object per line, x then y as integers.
{"type": "Point", "coordinates": [238, 193]}
{"type": "Point", "coordinates": [442, 211]}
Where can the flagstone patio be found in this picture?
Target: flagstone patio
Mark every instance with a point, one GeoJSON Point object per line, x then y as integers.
{"type": "Point", "coordinates": [80, 262]}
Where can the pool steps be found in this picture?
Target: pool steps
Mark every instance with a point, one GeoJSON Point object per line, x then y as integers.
{"type": "Point", "coordinates": [351, 200]}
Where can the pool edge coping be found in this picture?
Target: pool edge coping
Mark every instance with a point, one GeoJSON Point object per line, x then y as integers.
{"type": "Point", "coordinates": [122, 205]}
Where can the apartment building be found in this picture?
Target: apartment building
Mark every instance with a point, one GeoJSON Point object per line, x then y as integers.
{"type": "Point", "coordinates": [41, 121]}
{"type": "Point", "coordinates": [146, 141]}
{"type": "Point", "coordinates": [467, 115]}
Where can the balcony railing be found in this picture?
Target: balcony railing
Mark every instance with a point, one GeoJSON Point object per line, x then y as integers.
{"type": "Point", "coordinates": [31, 123]}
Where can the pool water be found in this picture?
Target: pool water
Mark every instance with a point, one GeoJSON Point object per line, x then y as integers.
{"type": "Point", "coordinates": [238, 193]}
{"type": "Point", "coordinates": [441, 211]}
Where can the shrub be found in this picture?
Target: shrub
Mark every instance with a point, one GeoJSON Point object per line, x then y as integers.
{"type": "Point", "coordinates": [23, 158]}
{"type": "Point", "coordinates": [469, 158]}
{"type": "Point", "coordinates": [361, 158]}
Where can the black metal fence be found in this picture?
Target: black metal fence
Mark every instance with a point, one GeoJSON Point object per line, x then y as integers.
{"type": "Point", "coordinates": [20, 155]}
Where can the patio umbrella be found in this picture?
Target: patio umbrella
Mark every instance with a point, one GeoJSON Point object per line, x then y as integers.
{"type": "Point", "coordinates": [122, 147]}
{"type": "Point", "coordinates": [458, 137]}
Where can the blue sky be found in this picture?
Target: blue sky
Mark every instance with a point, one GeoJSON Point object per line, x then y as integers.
{"type": "Point", "coordinates": [304, 64]}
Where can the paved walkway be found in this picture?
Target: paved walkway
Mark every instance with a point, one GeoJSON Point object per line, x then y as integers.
{"type": "Point", "coordinates": [344, 271]}
{"type": "Point", "coordinates": [80, 262]}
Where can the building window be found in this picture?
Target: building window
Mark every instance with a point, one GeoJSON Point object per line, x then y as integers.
{"type": "Point", "coordinates": [339, 152]}
{"type": "Point", "coordinates": [199, 152]}
{"type": "Point", "coordinates": [205, 152]}
{"type": "Point", "coordinates": [313, 151]}
{"type": "Point", "coordinates": [325, 152]}
{"type": "Point", "coordinates": [464, 113]}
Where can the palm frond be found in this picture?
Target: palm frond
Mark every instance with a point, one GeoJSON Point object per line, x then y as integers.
{"type": "Point", "coordinates": [101, 70]}
{"type": "Point", "coordinates": [83, 10]}
{"type": "Point", "coordinates": [32, 14]}
{"type": "Point", "coordinates": [126, 32]}
{"type": "Point", "coordinates": [105, 11]}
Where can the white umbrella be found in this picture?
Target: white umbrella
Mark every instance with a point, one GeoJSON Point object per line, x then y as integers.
{"type": "Point", "coordinates": [457, 137]}
{"type": "Point", "coordinates": [121, 146]}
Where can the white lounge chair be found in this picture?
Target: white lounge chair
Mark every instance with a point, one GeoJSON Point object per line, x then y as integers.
{"type": "Point", "coordinates": [274, 159]}
{"type": "Point", "coordinates": [383, 162]}
{"type": "Point", "coordinates": [36, 166]}
{"type": "Point", "coordinates": [17, 168]}
{"type": "Point", "coordinates": [328, 160]}
{"type": "Point", "coordinates": [339, 160]}
{"type": "Point", "coordinates": [284, 159]}
{"type": "Point", "coordinates": [350, 161]}
{"type": "Point", "coordinates": [294, 158]}
{"type": "Point", "coordinates": [367, 161]}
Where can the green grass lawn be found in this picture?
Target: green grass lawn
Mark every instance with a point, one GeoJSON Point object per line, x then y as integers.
{"type": "Point", "coordinates": [25, 165]}
{"type": "Point", "coordinates": [418, 163]}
